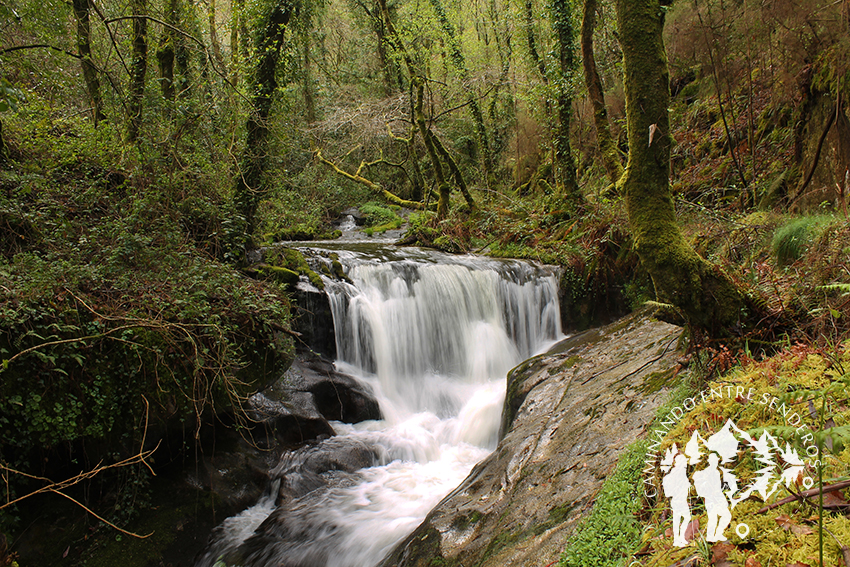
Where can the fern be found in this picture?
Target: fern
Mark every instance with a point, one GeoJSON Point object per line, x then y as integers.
{"type": "Point", "coordinates": [843, 288]}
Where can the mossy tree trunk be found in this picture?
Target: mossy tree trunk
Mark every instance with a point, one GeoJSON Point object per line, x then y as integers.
{"type": "Point", "coordinates": [418, 83]}
{"type": "Point", "coordinates": [607, 148]}
{"type": "Point", "coordinates": [307, 80]}
{"type": "Point", "coordinates": [250, 183]}
{"type": "Point", "coordinates": [216, 44]}
{"type": "Point", "coordinates": [182, 54]}
{"type": "Point", "coordinates": [390, 69]}
{"type": "Point", "coordinates": [165, 53]}
{"type": "Point", "coordinates": [701, 291]}
{"type": "Point", "coordinates": [565, 167]}
{"type": "Point", "coordinates": [435, 149]}
{"type": "Point", "coordinates": [3, 152]}
{"type": "Point", "coordinates": [81, 12]}
{"type": "Point", "coordinates": [138, 70]}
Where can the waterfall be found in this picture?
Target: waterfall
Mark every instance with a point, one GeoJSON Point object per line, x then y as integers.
{"type": "Point", "coordinates": [434, 337]}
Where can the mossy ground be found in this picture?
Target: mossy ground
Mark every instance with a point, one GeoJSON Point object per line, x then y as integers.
{"type": "Point", "coordinates": [787, 534]}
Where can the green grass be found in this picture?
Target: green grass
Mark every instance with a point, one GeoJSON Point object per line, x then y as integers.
{"type": "Point", "coordinates": [791, 240]}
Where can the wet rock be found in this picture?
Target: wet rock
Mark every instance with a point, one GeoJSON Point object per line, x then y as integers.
{"type": "Point", "coordinates": [302, 471]}
{"type": "Point", "coordinates": [236, 475]}
{"type": "Point", "coordinates": [313, 385]}
{"type": "Point", "coordinates": [295, 420]}
{"type": "Point", "coordinates": [295, 533]}
{"type": "Point", "coordinates": [313, 320]}
{"type": "Point", "coordinates": [355, 213]}
{"type": "Point", "coordinates": [567, 417]}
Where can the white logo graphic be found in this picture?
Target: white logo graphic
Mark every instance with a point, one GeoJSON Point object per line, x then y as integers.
{"type": "Point", "coordinates": [714, 480]}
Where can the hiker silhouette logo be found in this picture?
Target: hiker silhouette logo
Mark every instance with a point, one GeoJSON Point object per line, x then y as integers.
{"type": "Point", "coordinates": [705, 468]}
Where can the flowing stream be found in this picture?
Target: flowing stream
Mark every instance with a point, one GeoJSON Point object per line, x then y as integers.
{"type": "Point", "coordinates": [433, 336]}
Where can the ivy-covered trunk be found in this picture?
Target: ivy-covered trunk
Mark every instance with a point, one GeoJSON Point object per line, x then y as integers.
{"type": "Point", "coordinates": [165, 53]}
{"type": "Point", "coordinates": [565, 167]}
{"type": "Point", "coordinates": [81, 12]}
{"type": "Point", "coordinates": [700, 290]}
{"type": "Point", "coordinates": [607, 148]}
{"type": "Point", "coordinates": [138, 69]}
{"type": "Point", "coordinates": [477, 116]}
{"type": "Point", "coordinates": [249, 181]}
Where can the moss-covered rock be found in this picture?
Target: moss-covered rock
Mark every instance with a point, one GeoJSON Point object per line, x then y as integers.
{"type": "Point", "coordinates": [292, 261]}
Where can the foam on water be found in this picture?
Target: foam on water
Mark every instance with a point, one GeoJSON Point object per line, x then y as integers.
{"type": "Point", "coordinates": [434, 341]}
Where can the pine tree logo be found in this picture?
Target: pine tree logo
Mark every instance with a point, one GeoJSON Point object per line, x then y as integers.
{"type": "Point", "coordinates": [712, 462]}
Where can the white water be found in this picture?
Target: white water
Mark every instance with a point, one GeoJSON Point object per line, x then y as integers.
{"type": "Point", "coordinates": [435, 342]}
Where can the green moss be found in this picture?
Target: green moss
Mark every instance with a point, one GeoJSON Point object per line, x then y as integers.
{"type": "Point", "coordinates": [658, 380]}
{"type": "Point", "coordinates": [293, 261]}
{"type": "Point", "coordinates": [791, 240]}
{"type": "Point", "coordinates": [282, 275]}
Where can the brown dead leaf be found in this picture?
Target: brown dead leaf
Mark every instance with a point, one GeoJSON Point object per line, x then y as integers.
{"type": "Point", "coordinates": [798, 564]}
{"type": "Point", "coordinates": [719, 551]}
{"type": "Point", "coordinates": [834, 500]}
{"type": "Point", "coordinates": [788, 524]}
{"type": "Point", "coordinates": [692, 530]}
{"type": "Point", "coordinates": [653, 128]}
{"type": "Point", "coordinates": [752, 562]}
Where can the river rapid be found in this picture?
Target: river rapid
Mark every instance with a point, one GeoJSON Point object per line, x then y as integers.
{"type": "Point", "coordinates": [433, 336]}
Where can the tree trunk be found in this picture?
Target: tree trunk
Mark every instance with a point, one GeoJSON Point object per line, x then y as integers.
{"type": "Point", "coordinates": [607, 148]}
{"type": "Point", "coordinates": [477, 117]}
{"type": "Point", "coordinates": [138, 69]}
{"type": "Point", "coordinates": [565, 167]}
{"type": "Point", "coordinates": [182, 55]}
{"type": "Point", "coordinates": [532, 43]}
{"type": "Point", "coordinates": [249, 184]}
{"type": "Point", "coordinates": [165, 53]}
{"type": "Point", "coordinates": [307, 82]}
{"type": "Point", "coordinates": [433, 146]}
{"type": "Point", "coordinates": [445, 191]}
{"type": "Point", "coordinates": [81, 11]}
{"type": "Point", "coordinates": [701, 291]}
{"type": "Point", "coordinates": [239, 37]}
{"type": "Point", "coordinates": [216, 45]}
{"type": "Point", "coordinates": [3, 152]}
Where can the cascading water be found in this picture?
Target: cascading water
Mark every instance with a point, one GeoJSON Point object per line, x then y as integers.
{"type": "Point", "coordinates": [433, 336]}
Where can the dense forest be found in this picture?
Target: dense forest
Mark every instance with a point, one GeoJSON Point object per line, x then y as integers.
{"type": "Point", "coordinates": [693, 155]}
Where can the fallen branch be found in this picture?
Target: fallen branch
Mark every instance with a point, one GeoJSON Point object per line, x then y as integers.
{"type": "Point", "coordinates": [357, 178]}
{"type": "Point", "coordinates": [104, 520]}
{"type": "Point", "coordinates": [805, 494]}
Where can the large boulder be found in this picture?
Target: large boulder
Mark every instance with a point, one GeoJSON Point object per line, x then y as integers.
{"type": "Point", "coordinates": [313, 385]}
{"type": "Point", "coordinates": [567, 417]}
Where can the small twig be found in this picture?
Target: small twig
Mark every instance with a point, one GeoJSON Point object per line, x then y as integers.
{"type": "Point", "coordinates": [805, 494]}
{"type": "Point", "coordinates": [104, 520]}
{"type": "Point", "coordinates": [845, 551]}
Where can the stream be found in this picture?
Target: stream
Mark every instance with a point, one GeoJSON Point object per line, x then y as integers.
{"type": "Point", "coordinates": [433, 337]}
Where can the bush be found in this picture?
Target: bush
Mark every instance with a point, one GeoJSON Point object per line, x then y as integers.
{"type": "Point", "coordinates": [791, 240]}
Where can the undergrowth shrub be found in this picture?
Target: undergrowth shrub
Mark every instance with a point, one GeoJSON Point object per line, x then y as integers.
{"type": "Point", "coordinates": [117, 323]}
{"type": "Point", "coordinates": [611, 532]}
{"type": "Point", "coordinates": [791, 240]}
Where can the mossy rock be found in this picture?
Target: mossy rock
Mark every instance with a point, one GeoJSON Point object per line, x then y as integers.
{"type": "Point", "coordinates": [292, 261]}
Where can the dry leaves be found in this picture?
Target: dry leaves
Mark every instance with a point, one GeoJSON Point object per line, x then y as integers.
{"type": "Point", "coordinates": [719, 553]}
{"type": "Point", "coordinates": [788, 524]}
